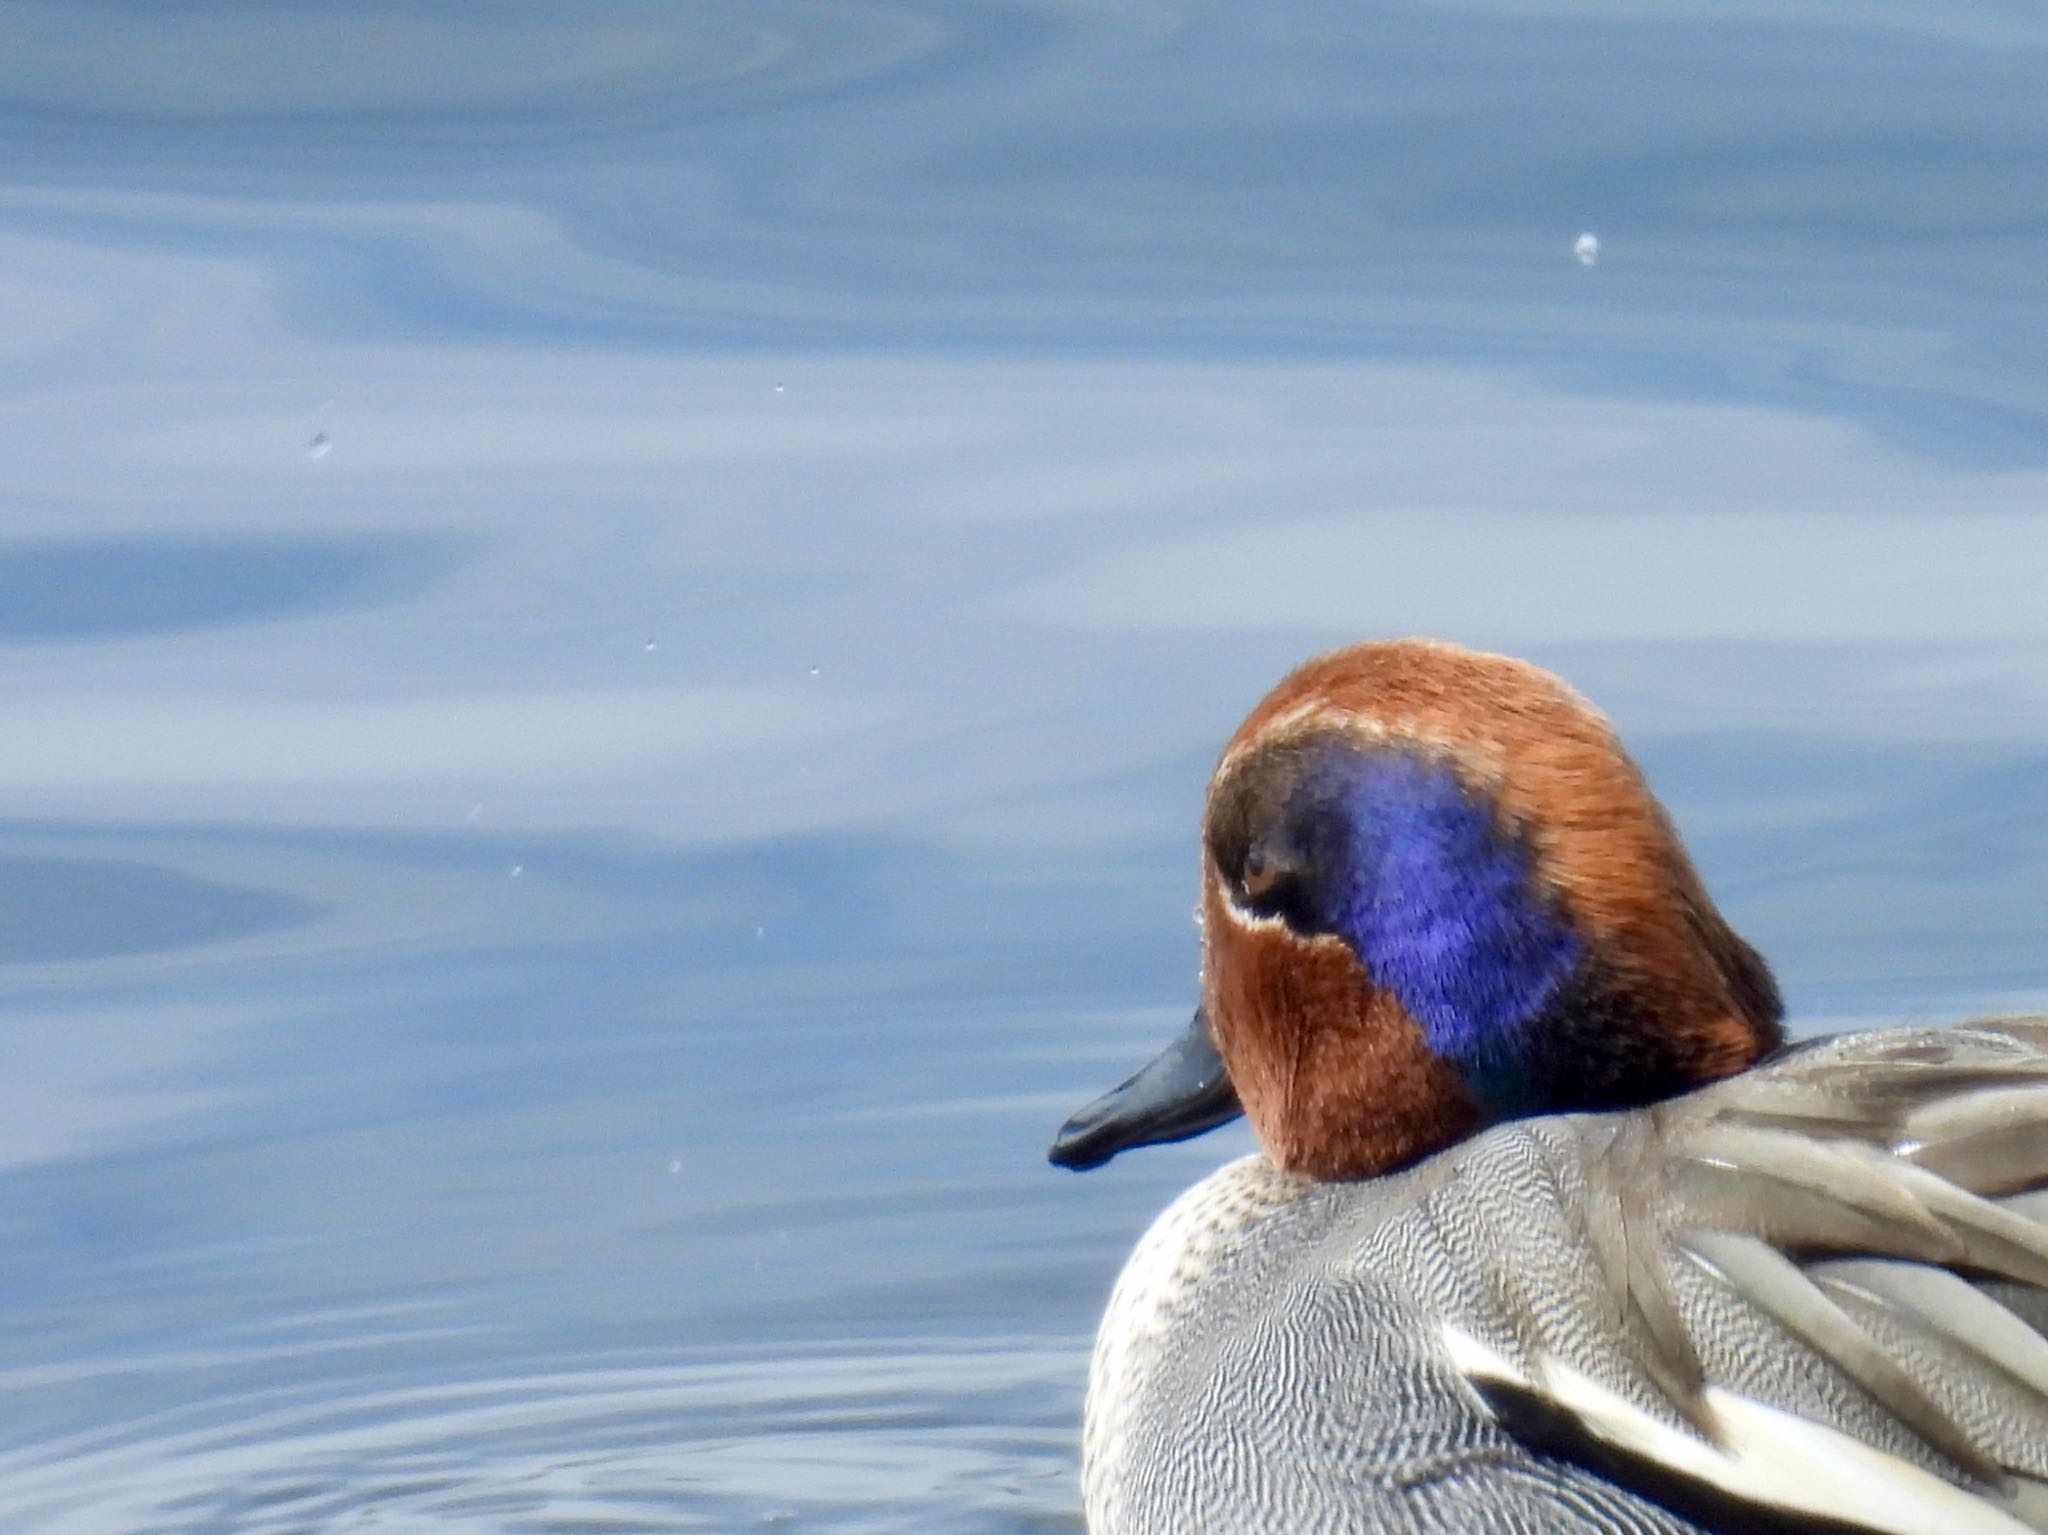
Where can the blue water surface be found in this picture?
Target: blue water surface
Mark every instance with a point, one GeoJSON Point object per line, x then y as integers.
{"type": "Point", "coordinates": [614, 615]}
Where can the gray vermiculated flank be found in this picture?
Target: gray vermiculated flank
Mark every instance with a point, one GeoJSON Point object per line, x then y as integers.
{"type": "Point", "coordinates": [1273, 1357]}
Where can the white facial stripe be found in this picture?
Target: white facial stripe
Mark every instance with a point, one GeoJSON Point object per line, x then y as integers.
{"type": "Point", "coordinates": [1240, 917]}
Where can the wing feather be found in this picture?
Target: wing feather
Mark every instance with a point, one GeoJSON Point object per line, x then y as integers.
{"type": "Point", "coordinates": [1849, 1195]}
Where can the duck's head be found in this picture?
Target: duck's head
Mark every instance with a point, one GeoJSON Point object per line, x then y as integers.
{"type": "Point", "coordinates": [1436, 893]}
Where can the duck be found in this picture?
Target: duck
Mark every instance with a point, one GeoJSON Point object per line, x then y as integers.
{"type": "Point", "coordinates": [1549, 1228]}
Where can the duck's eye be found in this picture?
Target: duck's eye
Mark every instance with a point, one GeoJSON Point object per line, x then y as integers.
{"type": "Point", "coordinates": [1267, 882]}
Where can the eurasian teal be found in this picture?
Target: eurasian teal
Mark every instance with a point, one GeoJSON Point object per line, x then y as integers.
{"type": "Point", "coordinates": [1550, 1230]}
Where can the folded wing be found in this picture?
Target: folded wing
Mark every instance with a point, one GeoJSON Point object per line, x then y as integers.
{"type": "Point", "coordinates": [1829, 1280]}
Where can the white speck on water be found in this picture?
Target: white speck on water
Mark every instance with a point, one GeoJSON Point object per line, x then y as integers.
{"type": "Point", "coordinates": [518, 869]}
{"type": "Point", "coordinates": [778, 389]}
{"type": "Point", "coordinates": [648, 647]}
{"type": "Point", "coordinates": [1587, 248]}
{"type": "Point", "coordinates": [760, 932]}
{"type": "Point", "coordinates": [816, 670]}
{"type": "Point", "coordinates": [320, 446]}
{"type": "Point", "coordinates": [675, 1167]}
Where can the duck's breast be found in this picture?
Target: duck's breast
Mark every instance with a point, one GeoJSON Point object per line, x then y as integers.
{"type": "Point", "coordinates": [1273, 1356]}
{"type": "Point", "coordinates": [1738, 1310]}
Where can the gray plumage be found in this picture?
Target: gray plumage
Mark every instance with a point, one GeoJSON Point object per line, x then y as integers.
{"type": "Point", "coordinates": [1845, 1233]}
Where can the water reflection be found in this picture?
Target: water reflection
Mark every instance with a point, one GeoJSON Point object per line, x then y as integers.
{"type": "Point", "coordinates": [843, 1443]}
{"type": "Point", "coordinates": [54, 909]}
{"type": "Point", "coordinates": [1404, 179]}
{"type": "Point", "coordinates": [617, 616]}
{"type": "Point", "coordinates": [87, 589]}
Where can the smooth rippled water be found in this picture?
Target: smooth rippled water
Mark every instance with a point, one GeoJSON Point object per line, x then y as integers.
{"type": "Point", "coordinates": [616, 614]}
{"type": "Point", "coordinates": [847, 1441]}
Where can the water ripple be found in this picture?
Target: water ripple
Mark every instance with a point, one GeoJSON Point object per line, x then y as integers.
{"type": "Point", "coordinates": [308, 73]}
{"type": "Point", "coordinates": [974, 1436]}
